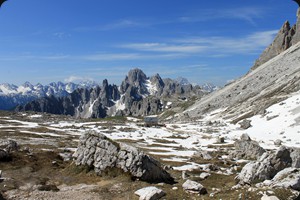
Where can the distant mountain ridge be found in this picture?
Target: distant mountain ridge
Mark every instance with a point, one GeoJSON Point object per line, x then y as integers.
{"type": "Point", "coordinates": [138, 95]}
{"type": "Point", "coordinates": [12, 95]}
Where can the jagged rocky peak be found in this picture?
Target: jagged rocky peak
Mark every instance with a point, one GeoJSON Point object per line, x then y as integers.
{"type": "Point", "coordinates": [136, 77]}
{"type": "Point", "coordinates": [135, 82]}
{"type": "Point", "coordinates": [182, 81]}
{"type": "Point", "coordinates": [27, 85]}
{"type": "Point", "coordinates": [286, 37]}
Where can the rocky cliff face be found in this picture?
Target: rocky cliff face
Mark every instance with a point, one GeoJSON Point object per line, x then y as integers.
{"type": "Point", "coordinates": [138, 95]}
{"type": "Point", "coordinates": [286, 37]}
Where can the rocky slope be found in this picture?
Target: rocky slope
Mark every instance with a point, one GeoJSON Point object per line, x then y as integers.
{"type": "Point", "coordinates": [12, 95]}
{"type": "Point", "coordinates": [263, 86]}
{"type": "Point", "coordinates": [252, 94]}
{"type": "Point", "coordinates": [138, 95]}
{"type": "Point", "coordinates": [286, 37]}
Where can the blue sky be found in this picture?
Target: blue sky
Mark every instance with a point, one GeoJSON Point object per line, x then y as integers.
{"type": "Point", "coordinates": [204, 41]}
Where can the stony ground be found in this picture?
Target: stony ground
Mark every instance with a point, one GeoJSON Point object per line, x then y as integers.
{"type": "Point", "coordinates": [41, 169]}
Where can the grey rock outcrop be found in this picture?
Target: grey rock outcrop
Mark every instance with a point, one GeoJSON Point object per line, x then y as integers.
{"type": "Point", "coordinates": [245, 148]}
{"type": "Point", "coordinates": [150, 193]}
{"type": "Point", "coordinates": [101, 153]}
{"type": "Point", "coordinates": [286, 37]}
{"type": "Point", "coordinates": [282, 42]}
{"type": "Point", "coordinates": [287, 178]}
{"type": "Point", "coordinates": [267, 166]}
{"type": "Point", "coordinates": [194, 187]}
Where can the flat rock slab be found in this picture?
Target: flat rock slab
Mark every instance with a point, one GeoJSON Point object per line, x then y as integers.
{"type": "Point", "coordinates": [150, 193]}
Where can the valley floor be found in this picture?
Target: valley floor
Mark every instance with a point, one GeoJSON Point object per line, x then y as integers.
{"type": "Point", "coordinates": [47, 140]}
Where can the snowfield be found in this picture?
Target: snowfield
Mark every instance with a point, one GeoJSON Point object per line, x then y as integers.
{"type": "Point", "coordinates": [280, 122]}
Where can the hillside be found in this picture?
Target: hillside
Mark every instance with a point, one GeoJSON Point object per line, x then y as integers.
{"type": "Point", "coordinates": [270, 83]}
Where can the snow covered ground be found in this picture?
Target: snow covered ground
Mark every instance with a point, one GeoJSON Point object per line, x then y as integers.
{"type": "Point", "coordinates": [280, 122]}
{"type": "Point", "coordinates": [173, 143]}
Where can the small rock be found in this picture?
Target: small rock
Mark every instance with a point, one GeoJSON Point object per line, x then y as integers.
{"type": "Point", "coordinates": [210, 167]}
{"type": "Point", "coordinates": [277, 142]}
{"type": "Point", "coordinates": [194, 187]}
{"type": "Point", "coordinates": [220, 140]}
{"type": "Point", "coordinates": [245, 124]}
{"type": "Point", "coordinates": [266, 197]}
{"type": "Point", "coordinates": [184, 175]}
{"type": "Point", "coordinates": [203, 154]}
{"type": "Point", "coordinates": [150, 193]}
{"type": "Point", "coordinates": [174, 188]}
{"type": "Point", "coordinates": [245, 137]}
{"type": "Point", "coordinates": [204, 175]}
{"type": "Point", "coordinates": [48, 188]}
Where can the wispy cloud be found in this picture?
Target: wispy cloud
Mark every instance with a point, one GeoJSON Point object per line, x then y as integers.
{"type": "Point", "coordinates": [169, 49]}
{"type": "Point", "coordinates": [248, 44]}
{"type": "Point", "coordinates": [129, 56]}
{"type": "Point", "coordinates": [248, 14]}
{"type": "Point", "coordinates": [163, 47]}
{"type": "Point", "coordinates": [119, 24]}
{"type": "Point", "coordinates": [111, 56]}
{"type": "Point", "coordinates": [33, 57]}
{"type": "Point", "coordinates": [124, 23]}
{"type": "Point", "coordinates": [61, 35]}
{"type": "Point", "coordinates": [209, 46]}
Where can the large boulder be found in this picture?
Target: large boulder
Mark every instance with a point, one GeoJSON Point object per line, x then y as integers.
{"type": "Point", "coordinates": [6, 147]}
{"type": "Point", "coordinates": [9, 145]}
{"type": "Point", "coordinates": [245, 148]}
{"type": "Point", "coordinates": [267, 166]}
{"type": "Point", "coordinates": [101, 153]}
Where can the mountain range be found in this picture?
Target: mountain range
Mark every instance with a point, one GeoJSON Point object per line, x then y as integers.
{"type": "Point", "coordinates": [138, 95]}
{"type": "Point", "coordinates": [12, 95]}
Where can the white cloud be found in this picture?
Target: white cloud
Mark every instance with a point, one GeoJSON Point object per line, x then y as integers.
{"type": "Point", "coordinates": [78, 79]}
